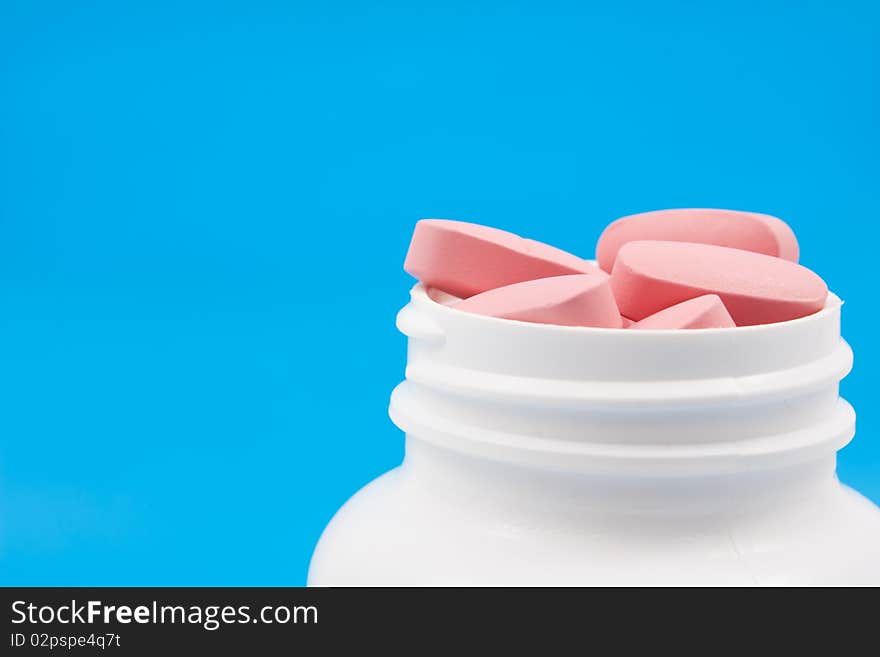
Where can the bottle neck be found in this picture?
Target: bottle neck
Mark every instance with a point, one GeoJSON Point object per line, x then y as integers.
{"type": "Point", "coordinates": [503, 488]}
{"type": "Point", "coordinates": [722, 442]}
{"type": "Point", "coordinates": [622, 411]}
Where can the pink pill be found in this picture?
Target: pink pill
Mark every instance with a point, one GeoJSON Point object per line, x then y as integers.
{"type": "Point", "coordinates": [576, 300]}
{"type": "Point", "coordinates": [699, 313]}
{"type": "Point", "coordinates": [755, 288]}
{"type": "Point", "coordinates": [750, 231]}
{"type": "Point", "coordinates": [465, 259]}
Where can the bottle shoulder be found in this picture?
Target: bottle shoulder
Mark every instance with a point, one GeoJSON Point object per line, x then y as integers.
{"type": "Point", "coordinates": [393, 532]}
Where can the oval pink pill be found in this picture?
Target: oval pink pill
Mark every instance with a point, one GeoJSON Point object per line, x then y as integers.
{"type": "Point", "coordinates": [703, 312]}
{"type": "Point", "coordinates": [465, 259]}
{"type": "Point", "coordinates": [750, 231]}
{"type": "Point", "coordinates": [755, 288]}
{"type": "Point", "coordinates": [576, 300]}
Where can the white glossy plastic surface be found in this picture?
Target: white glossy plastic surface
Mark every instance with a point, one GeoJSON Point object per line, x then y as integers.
{"type": "Point", "coordinates": [551, 455]}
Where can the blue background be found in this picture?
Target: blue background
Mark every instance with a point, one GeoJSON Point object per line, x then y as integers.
{"type": "Point", "coordinates": [205, 209]}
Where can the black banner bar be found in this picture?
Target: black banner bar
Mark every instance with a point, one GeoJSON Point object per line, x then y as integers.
{"type": "Point", "coordinates": [194, 621]}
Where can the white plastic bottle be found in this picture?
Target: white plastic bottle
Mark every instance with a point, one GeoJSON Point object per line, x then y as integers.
{"type": "Point", "coordinates": [551, 455]}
